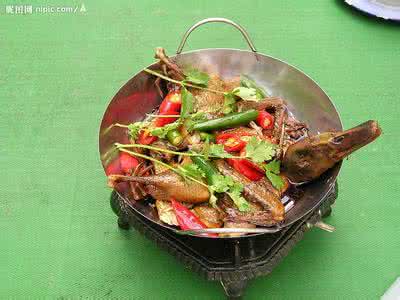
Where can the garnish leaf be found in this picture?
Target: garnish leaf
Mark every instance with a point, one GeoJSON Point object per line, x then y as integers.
{"type": "Point", "coordinates": [135, 128]}
{"type": "Point", "coordinates": [276, 180]}
{"type": "Point", "coordinates": [226, 184]}
{"type": "Point", "coordinates": [162, 132]}
{"type": "Point", "coordinates": [187, 102]}
{"type": "Point", "coordinates": [196, 77]}
{"type": "Point", "coordinates": [229, 103]}
{"type": "Point", "coordinates": [272, 171]}
{"type": "Point", "coordinates": [222, 183]}
{"type": "Point", "coordinates": [206, 149]}
{"type": "Point", "coordinates": [195, 118]}
{"type": "Point", "coordinates": [246, 81]}
{"type": "Point", "coordinates": [192, 170]}
{"type": "Point", "coordinates": [274, 166]}
{"type": "Point", "coordinates": [218, 150]}
{"type": "Point", "coordinates": [259, 151]}
{"type": "Point", "coordinates": [236, 195]}
{"type": "Point", "coordinates": [245, 93]}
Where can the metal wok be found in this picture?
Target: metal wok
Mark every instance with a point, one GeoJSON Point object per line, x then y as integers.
{"type": "Point", "coordinates": [306, 101]}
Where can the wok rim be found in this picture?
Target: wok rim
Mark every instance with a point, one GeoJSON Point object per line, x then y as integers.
{"type": "Point", "coordinates": [335, 170]}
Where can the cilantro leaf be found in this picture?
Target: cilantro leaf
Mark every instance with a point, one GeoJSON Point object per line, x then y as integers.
{"type": "Point", "coordinates": [218, 150]}
{"type": "Point", "coordinates": [194, 118]}
{"type": "Point", "coordinates": [206, 149]}
{"type": "Point", "coordinates": [236, 195]}
{"type": "Point", "coordinates": [226, 184]}
{"type": "Point", "coordinates": [135, 128]}
{"type": "Point", "coordinates": [246, 81]}
{"type": "Point", "coordinates": [245, 93]}
{"type": "Point", "coordinates": [192, 170]}
{"type": "Point", "coordinates": [221, 183]}
{"type": "Point", "coordinates": [274, 166]}
{"type": "Point", "coordinates": [259, 151]}
{"type": "Point", "coordinates": [229, 103]}
{"type": "Point", "coordinates": [187, 102]}
{"type": "Point", "coordinates": [196, 77]}
{"type": "Point", "coordinates": [276, 180]}
{"type": "Point", "coordinates": [162, 132]}
{"type": "Point", "coordinates": [272, 171]}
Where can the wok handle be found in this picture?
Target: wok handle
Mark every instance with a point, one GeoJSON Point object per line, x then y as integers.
{"type": "Point", "coordinates": [216, 20]}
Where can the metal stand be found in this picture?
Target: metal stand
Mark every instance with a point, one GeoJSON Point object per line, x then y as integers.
{"type": "Point", "coordinates": [234, 261]}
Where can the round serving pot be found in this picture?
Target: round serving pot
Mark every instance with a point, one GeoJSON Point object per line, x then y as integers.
{"type": "Point", "coordinates": [306, 101]}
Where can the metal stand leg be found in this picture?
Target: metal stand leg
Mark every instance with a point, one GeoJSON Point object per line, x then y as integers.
{"type": "Point", "coordinates": [234, 289]}
{"type": "Point", "coordinates": [115, 204]}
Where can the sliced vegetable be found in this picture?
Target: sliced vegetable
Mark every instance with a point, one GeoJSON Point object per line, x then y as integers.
{"type": "Point", "coordinates": [135, 128]}
{"type": "Point", "coordinates": [205, 136]}
{"type": "Point", "coordinates": [265, 120]}
{"type": "Point", "coordinates": [145, 137]}
{"type": "Point", "coordinates": [171, 103]}
{"type": "Point", "coordinates": [188, 220]}
{"type": "Point", "coordinates": [128, 162]}
{"type": "Point", "coordinates": [162, 121]}
{"type": "Point", "coordinates": [246, 168]}
{"type": "Point", "coordinates": [162, 132]}
{"type": "Point", "coordinates": [229, 121]}
{"type": "Point", "coordinates": [231, 142]}
{"type": "Point", "coordinates": [174, 137]}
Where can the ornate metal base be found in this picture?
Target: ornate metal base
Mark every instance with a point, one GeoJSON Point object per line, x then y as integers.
{"type": "Point", "coordinates": [233, 262]}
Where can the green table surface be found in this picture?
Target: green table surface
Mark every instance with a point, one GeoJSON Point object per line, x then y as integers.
{"type": "Point", "coordinates": [58, 236]}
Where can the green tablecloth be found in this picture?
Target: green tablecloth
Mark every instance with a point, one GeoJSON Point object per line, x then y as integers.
{"type": "Point", "coordinates": [59, 238]}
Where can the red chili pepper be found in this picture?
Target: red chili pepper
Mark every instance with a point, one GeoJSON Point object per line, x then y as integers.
{"type": "Point", "coordinates": [160, 122]}
{"type": "Point", "coordinates": [123, 164]}
{"type": "Point", "coordinates": [171, 103]}
{"type": "Point", "coordinates": [265, 120]}
{"type": "Point", "coordinates": [145, 138]}
{"type": "Point", "coordinates": [127, 162]}
{"type": "Point", "coordinates": [232, 142]}
{"type": "Point", "coordinates": [188, 220]}
{"type": "Point", "coordinates": [114, 167]}
{"type": "Point", "coordinates": [246, 168]}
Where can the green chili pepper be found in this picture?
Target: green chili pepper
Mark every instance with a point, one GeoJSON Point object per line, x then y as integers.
{"type": "Point", "coordinates": [229, 121]}
{"type": "Point", "coordinates": [174, 137]}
